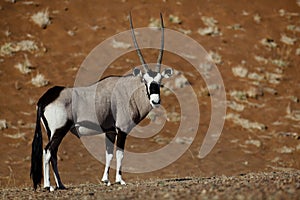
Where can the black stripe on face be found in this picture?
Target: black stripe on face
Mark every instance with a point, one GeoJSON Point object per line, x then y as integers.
{"type": "Point", "coordinates": [154, 88]}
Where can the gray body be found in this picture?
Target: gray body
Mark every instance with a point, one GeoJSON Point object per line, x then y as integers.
{"type": "Point", "coordinates": [114, 102]}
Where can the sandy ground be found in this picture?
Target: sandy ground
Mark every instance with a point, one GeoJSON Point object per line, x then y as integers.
{"type": "Point", "coordinates": [255, 46]}
{"type": "Point", "coordinates": [272, 185]}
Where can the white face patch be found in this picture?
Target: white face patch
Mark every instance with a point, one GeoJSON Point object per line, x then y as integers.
{"type": "Point", "coordinates": [157, 78]}
{"type": "Point", "coordinates": [154, 100]}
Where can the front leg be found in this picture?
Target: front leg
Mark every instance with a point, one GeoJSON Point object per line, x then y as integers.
{"type": "Point", "coordinates": [121, 137]}
{"type": "Point", "coordinates": [109, 142]}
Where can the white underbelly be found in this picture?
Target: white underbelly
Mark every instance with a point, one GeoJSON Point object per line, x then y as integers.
{"type": "Point", "coordinates": [87, 130]}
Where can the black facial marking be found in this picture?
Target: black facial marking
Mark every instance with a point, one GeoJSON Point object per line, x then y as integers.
{"type": "Point", "coordinates": [154, 88]}
{"type": "Point", "coordinates": [152, 73]}
{"type": "Point", "coordinates": [147, 91]}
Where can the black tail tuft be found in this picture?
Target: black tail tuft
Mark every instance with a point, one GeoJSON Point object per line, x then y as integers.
{"type": "Point", "coordinates": [36, 171]}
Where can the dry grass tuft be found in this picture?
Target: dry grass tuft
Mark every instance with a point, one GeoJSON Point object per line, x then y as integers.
{"type": "Point", "coordinates": [235, 106]}
{"type": "Point", "coordinates": [245, 123]}
{"type": "Point", "coordinates": [211, 27]}
{"type": "Point", "coordinates": [240, 71]}
{"type": "Point", "coordinates": [288, 40]}
{"type": "Point", "coordinates": [214, 57]}
{"type": "Point", "coordinates": [269, 43]}
{"type": "Point", "coordinates": [292, 114]}
{"type": "Point", "coordinates": [3, 124]}
{"type": "Point", "coordinates": [25, 67]}
{"type": "Point", "coordinates": [173, 117]}
{"type": "Point", "coordinates": [39, 80]}
{"type": "Point", "coordinates": [120, 45]}
{"type": "Point", "coordinates": [15, 136]}
{"type": "Point", "coordinates": [257, 18]}
{"type": "Point", "coordinates": [175, 19]}
{"type": "Point", "coordinates": [41, 18]}
{"type": "Point", "coordinates": [9, 48]}
{"type": "Point", "coordinates": [154, 23]}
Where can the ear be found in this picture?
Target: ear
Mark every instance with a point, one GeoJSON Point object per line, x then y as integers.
{"type": "Point", "coordinates": [167, 73]}
{"type": "Point", "coordinates": [137, 72]}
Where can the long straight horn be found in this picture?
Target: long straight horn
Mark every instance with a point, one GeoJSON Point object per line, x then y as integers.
{"type": "Point", "coordinates": [161, 51]}
{"type": "Point", "coordinates": [145, 66]}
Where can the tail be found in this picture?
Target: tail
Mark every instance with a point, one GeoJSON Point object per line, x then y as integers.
{"type": "Point", "coordinates": [36, 171]}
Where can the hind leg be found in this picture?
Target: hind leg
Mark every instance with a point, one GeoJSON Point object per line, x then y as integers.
{"type": "Point", "coordinates": [57, 125]}
{"type": "Point", "coordinates": [109, 142]}
{"type": "Point", "coordinates": [59, 184]}
{"type": "Point", "coordinates": [52, 147]}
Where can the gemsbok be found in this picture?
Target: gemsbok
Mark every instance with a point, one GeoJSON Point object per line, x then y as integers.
{"type": "Point", "coordinates": [119, 103]}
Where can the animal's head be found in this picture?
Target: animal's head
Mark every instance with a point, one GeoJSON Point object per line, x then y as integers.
{"type": "Point", "coordinates": [151, 78]}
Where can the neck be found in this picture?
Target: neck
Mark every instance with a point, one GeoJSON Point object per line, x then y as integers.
{"type": "Point", "coordinates": [141, 103]}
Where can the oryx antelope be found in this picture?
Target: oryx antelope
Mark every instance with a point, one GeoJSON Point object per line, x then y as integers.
{"type": "Point", "coordinates": [119, 104]}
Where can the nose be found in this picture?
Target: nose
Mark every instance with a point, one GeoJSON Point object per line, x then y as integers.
{"type": "Point", "coordinates": [155, 102]}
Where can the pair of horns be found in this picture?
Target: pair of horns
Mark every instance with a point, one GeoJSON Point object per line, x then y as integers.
{"type": "Point", "coordinates": [161, 51]}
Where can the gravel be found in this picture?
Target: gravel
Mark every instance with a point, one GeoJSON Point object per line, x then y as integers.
{"type": "Point", "coordinates": [268, 185]}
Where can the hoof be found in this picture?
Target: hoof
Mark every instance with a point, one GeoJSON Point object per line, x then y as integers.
{"type": "Point", "coordinates": [49, 189]}
{"type": "Point", "coordinates": [106, 182]}
{"type": "Point", "coordinates": [121, 182]}
{"type": "Point", "coordinates": [61, 187]}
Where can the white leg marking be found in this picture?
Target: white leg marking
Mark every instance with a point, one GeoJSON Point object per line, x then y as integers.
{"type": "Point", "coordinates": [56, 180]}
{"type": "Point", "coordinates": [109, 154]}
{"type": "Point", "coordinates": [119, 155]}
{"type": "Point", "coordinates": [105, 178]}
{"type": "Point", "coordinates": [46, 156]}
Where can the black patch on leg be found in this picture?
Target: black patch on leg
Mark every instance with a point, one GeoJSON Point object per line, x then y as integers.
{"type": "Point", "coordinates": [121, 138]}
{"type": "Point", "coordinates": [111, 136]}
